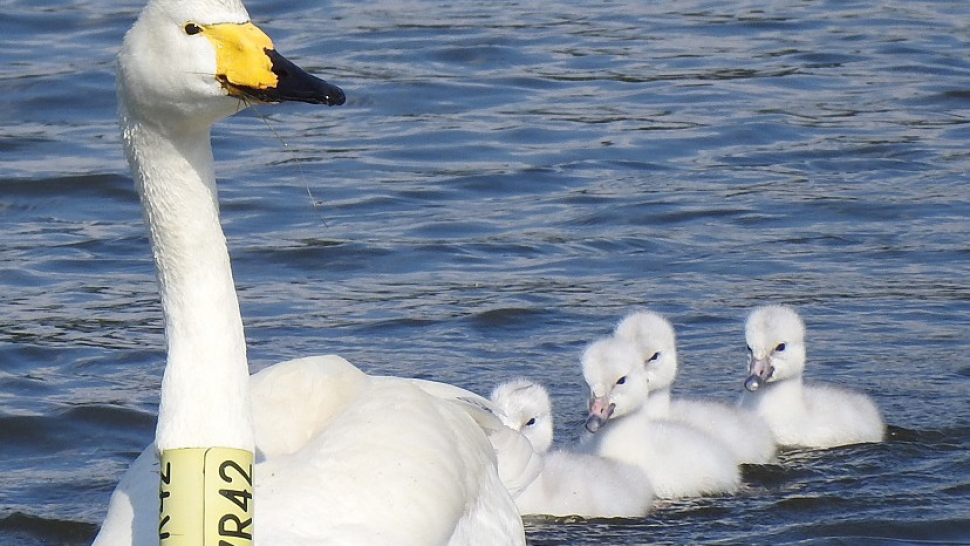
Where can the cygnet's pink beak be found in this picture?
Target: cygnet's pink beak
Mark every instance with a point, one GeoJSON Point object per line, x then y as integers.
{"type": "Point", "coordinates": [600, 410]}
{"type": "Point", "coordinates": [760, 371]}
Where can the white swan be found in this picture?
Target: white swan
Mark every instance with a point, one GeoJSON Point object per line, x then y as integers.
{"type": "Point", "coordinates": [745, 433]}
{"type": "Point", "coordinates": [341, 457]}
{"type": "Point", "coordinates": [570, 483]}
{"type": "Point", "coordinates": [814, 416]}
{"type": "Point", "coordinates": [679, 460]}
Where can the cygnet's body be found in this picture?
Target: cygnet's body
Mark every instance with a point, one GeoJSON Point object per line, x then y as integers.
{"type": "Point", "coordinates": [570, 483]}
{"type": "Point", "coordinates": [800, 415]}
{"type": "Point", "coordinates": [744, 432]}
{"type": "Point", "coordinates": [679, 460]}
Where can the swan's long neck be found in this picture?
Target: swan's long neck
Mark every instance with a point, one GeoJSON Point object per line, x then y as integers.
{"type": "Point", "coordinates": [205, 389]}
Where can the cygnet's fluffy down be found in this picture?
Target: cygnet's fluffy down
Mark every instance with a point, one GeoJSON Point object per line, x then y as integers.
{"type": "Point", "coordinates": [679, 460]}
{"type": "Point", "coordinates": [745, 433]}
{"type": "Point", "coordinates": [570, 483]}
{"type": "Point", "coordinates": [800, 415]}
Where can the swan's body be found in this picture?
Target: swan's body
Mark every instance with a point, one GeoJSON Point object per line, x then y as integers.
{"type": "Point", "coordinates": [679, 460]}
{"type": "Point", "coordinates": [341, 457]}
{"type": "Point", "coordinates": [570, 483]}
{"type": "Point", "coordinates": [328, 472]}
{"type": "Point", "coordinates": [800, 415]}
{"type": "Point", "coordinates": [745, 433]}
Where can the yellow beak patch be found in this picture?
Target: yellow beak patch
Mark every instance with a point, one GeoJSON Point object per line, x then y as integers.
{"type": "Point", "coordinates": [241, 58]}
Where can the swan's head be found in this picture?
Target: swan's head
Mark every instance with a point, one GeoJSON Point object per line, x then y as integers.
{"type": "Point", "coordinates": [657, 344]}
{"type": "Point", "coordinates": [525, 407]}
{"type": "Point", "coordinates": [617, 380]}
{"type": "Point", "coordinates": [776, 343]}
{"type": "Point", "coordinates": [186, 64]}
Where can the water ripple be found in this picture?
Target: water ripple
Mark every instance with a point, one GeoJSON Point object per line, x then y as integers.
{"type": "Point", "coordinates": [506, 180]}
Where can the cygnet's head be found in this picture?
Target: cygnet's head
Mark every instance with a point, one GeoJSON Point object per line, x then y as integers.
{"type": "Point", "coordinates": [656, 342]}
{"type": "Point", "coordinates": [525, 407]}
{"type": "Point", "coordinates": [617, 380]}
{"type": "Point", "coordinates": [184, 65]}
{"type": "Point", "coordinates": [776, 344]}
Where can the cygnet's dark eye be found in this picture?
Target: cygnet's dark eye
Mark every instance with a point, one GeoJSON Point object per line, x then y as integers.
{"type": "Point", "coordinates": [530, 422]}
{"type": "Point", "coordinates": [654, 357]}
{"type": "Point", "coordinates": [780, 347]}
{"type": "Point", "coordinates": [621, 380]}
{"type": "Point", "coordinates": [192, 29]}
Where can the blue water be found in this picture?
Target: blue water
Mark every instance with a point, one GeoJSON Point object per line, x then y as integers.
{"type": "Point", "coordinates": [507, 179]}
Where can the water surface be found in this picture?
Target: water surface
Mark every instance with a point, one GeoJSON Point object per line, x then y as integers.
{"type": "Point", "coordinates": [507, 179]}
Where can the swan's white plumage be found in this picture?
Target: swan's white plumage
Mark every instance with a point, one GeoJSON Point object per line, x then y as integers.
{"type": "Point", "coordinates": [570, 483]}
{"type": "Point", "coordinates": [745, 433]}
{"type": "Point", "coordinates": [679, 460]}
{"type": "Point", "coordinates": [800, 415]}
{"type": "Point", "coordinates": [391, 446]}
{"type": "Point", "coordinates": [342, 457]}
{"type": "Point", "coordinates": [373, 443]}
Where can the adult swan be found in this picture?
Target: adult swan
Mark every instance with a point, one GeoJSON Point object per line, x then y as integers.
{"type": "Point", "coordinates": [340, 457]}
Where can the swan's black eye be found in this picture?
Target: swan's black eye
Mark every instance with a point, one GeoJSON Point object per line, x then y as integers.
{"type": "Point", "coordinates": [780, 347]}
{"type": "Point", "coordinates": [530, 422]}
{"type": "Point", "coordinates": [750, 350]}
{"type": "Point", "coordinates": [192, 29]}
{"type": "Point", "coordinates": [654, 357]}
{"type": "Point", "coordinates": [621, 380]}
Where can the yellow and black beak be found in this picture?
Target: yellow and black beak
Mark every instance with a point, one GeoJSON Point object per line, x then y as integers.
{"type": "Point", "coordinates": [292, 84]}
{"type": "Point", "coordinates": [248, 67]}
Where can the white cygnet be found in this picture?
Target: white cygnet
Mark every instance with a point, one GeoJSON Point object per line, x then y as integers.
{"type": "Point", "coordinates": [744, 432]}
{"type": "Point", "coordinates": [800, 415]}
{"type": "Point", "coordinates": [570, 484]}
{"type": "Point", "coordinates": [679, 460]}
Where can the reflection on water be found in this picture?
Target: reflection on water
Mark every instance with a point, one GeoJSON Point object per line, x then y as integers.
{"type": "Point", "coordinates": [506, 180]}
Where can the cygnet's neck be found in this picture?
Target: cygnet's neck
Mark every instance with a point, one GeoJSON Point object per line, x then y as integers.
{"type": "Point", "coordinates": [658, 403]}
{"type": "Point", "coordinates": [205, 389]}
{"type": "Point", "coordinates": [639, 417]}
{"type": "Point", "coordinates": [783, 397]}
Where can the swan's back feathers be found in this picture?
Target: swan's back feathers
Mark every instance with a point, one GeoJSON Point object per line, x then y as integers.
{"type": "Point", "coordinates": [478, 407]}
{"type": "Point", "coordinates": [518, 461]}
{"type": "Point", "coordinates": [411, 463]}
{"type": "Point", "coordinates": [367, 429]}
{"type": "Point", "coordinates": [294, 400]}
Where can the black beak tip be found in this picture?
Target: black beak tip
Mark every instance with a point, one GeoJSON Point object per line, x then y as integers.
{"type": "Point", "coordinates": [334, 96]}
{"type": "Point", "coordinates": [296, 85]}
